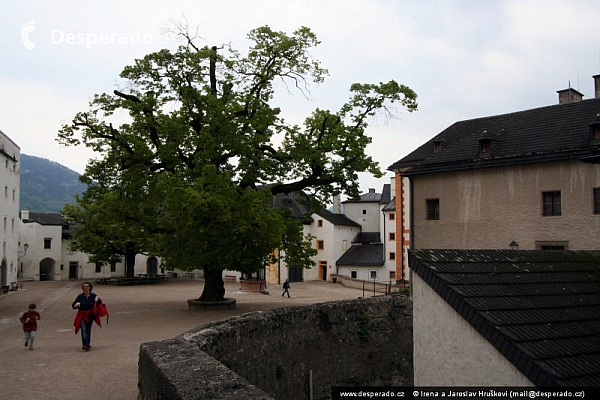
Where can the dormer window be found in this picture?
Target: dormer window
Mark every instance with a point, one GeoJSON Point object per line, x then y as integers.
{"type": "Point", "coordinates": [485, 146]}
{"type": "Point", "coordinates": [596, 132]}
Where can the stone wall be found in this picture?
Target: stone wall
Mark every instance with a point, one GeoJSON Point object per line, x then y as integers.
{"type": "Point", "coordinates": [273, 353]}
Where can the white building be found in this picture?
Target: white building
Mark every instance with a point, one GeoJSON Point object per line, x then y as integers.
{"type": "Point", "coordinates": [10, 155]}
{"type": "Point", "coordinates": [46, 237]}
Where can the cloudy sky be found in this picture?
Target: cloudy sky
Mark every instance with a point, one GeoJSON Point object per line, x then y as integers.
{"type": "Point", "coordinates": [465, 59]}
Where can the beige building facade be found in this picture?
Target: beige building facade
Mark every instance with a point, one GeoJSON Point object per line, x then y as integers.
{"type": "Point", "coordinates": [490, 208]}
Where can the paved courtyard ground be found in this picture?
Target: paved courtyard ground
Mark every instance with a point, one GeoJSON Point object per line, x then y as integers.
{"type": "Point", "coordinates": [59, 369]}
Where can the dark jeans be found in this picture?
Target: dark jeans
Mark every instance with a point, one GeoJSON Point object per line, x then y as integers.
{"type": "Point", "coordinates": [86, 332]}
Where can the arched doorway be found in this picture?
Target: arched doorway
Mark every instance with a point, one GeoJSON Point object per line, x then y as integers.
{"type": "Point", "coordinates": [47, 269]}
{"type": "Point", "coordinates": [152, 266]}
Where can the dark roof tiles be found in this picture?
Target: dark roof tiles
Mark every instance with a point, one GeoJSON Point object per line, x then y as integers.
{"type": "Point", "coordinates": [540, 309]}
{"type": "Point", "coordinates": [546, 133]}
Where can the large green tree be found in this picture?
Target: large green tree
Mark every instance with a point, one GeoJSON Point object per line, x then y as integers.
{"type": "Point", "coordinates": [194, 138]}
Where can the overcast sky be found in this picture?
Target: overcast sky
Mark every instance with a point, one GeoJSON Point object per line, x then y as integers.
{"type": "Point", "coordinates": [465, 59]}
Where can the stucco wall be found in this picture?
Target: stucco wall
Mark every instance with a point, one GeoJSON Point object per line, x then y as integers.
{"type": "Point", "coordinates": [489, 208]}
{"type": "Point", "coordinates": [450, 352]}
{"type": "Point", "coordinates": [357, 342]}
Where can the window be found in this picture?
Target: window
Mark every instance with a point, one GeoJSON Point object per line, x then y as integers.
{"type": "Point", "coordinates": [437, 146]}
{"type": "Point", "coordinates": [354, 274]}
{"type": "Point", "coordinates": [433, 209]}
{"type": "Point", "coordinates": [47, 243]}
{"type": "Point", "coordinates": [484, 146]}
{"type": "Point", "coordinates": [392, 217]}
{"type": "Point", "coordinates": [373, 275]}
{"type": "Point", "coordinates": [113, 266]}
{"type": "Point", "coordinates": [364, 212]}
{"type": "Point", "coordinates": [597, 201]}
{"type": "Point", "coordinates": [344, 244]}
{"type": "Point", "coordinates": [392, 255]}
{"type": "Point", "coordinates": [554, 245]}
{"type": "Point", "coordinates": [551, 206]}
{"type": "Point", "coordinates": [320, 223]}
{"type": "Point", "coordinates": [596, 132]}
{"type": "Point", "coordinates": [392, 236]}
{"type": "Point", "coordinates": [392, 275]}
{"type": "Point", "coordinates": [5, 224]}
{"type": "Point", "coordinates": [98, 267]}
{"type": "Point", "coordinates": [12, 225]}
{"type": "Point", "coordinates": [5, 191]}
{"type": "Point", "coordinates": [320, 245]}
{"type": "Point", "coordinates": [14, 195]}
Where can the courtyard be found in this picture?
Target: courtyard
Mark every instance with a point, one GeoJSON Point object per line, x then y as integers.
{"type": "Point", "coordinates": [59, 369]}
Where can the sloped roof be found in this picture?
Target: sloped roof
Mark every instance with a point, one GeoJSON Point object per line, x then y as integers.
{"type": "Point", "coordinates": [367, 237]}
{"type": "Point", "coordinates": [337, 219]}
{"type": "Point", "coordinates": [369, 197]}
{"type": "Point", "coordinates": [555, 132]}
{"type": "Point", "coordinates": [296, 202]}
{"type": "Point", "coordinates": [540, 309]}
{"type": "Point", "coordinates": [363, 255]}
{"type": "Point", "coordinates": [46, 218]}
{"type": "Point", "coordinates": [391, 206]}
{"type": "Point", "coordinates": [385, 194]}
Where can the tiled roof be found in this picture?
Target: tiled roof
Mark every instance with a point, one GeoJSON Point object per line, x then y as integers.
{"type": "Point", "coordinates": [549, 133]}
{"type": "Point", "coordinates": [337, 219]}
{"type": "Point", "coordinates": [385, 194]}
{"type": "Point", "coordinates": [540, 309]}
{"type": "Point", "coordinates": [46, 219]}
{"type": "Point", "coordinates": [296, 202]}
{"type": "Point", "coordinates": [363, 255]}
{"type": "Point", "coordinates": [370, 197]}
{"type": "Point", "coordinates": [391, 206]}
{"type": "Point", "coordinates": [367, 237]}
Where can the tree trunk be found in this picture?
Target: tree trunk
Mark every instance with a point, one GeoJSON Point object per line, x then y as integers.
{"type": "Point", "coordinates": [214, 287]}
{"type": "Point", "coordinates": [129, 263]}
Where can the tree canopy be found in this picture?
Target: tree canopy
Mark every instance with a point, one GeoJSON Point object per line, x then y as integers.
{"type": "Point", "coordinates": [191, 151]}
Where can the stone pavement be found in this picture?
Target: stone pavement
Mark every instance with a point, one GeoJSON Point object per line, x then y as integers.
{"type": "Point", "coordinates": [59, 369]}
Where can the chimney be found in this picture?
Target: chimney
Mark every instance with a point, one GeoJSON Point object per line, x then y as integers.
{"type": "Point", "coordinates": [597, 85]}
{"type": "Point", "coordinates": [337, 204]}
{"type": "Point", "coordinates": [371, 190]}
{"type": "Point", "coordinates": [25, 215]}
{"type": "Point", "coordinates": [569, 95]}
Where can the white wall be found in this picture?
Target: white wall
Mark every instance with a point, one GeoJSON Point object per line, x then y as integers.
{"type": "Point", "coordinates": [448, 351]}
{"type": "Point", "coordinates": [10, 167]}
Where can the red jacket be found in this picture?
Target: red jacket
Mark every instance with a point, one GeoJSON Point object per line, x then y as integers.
{"type": "Point", "coordinates": [98, 311]}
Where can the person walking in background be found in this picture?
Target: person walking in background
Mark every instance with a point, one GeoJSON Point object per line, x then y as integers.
{"type": "Point", "coordinates": [286, 288]}
{"type": "Point", "coordinates": [87, 305]}
{"type": "Point", "coordinates": [29, 320]}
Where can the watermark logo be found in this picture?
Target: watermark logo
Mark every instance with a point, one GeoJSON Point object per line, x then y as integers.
{"type": "Point", "coordinates": [90, 39]}
{"type": "Point", "coordinates": [26, 29]}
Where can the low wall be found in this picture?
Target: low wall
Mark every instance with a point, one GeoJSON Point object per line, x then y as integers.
{"type": "Point", "coordinates": [272, 354]}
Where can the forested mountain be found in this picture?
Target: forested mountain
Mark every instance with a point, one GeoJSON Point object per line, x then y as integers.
{"type": "Point", "coordinates": [46, 186]}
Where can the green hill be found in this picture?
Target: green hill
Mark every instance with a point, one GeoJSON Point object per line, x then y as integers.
{"type": "Point", "coordinates": [46, 186]}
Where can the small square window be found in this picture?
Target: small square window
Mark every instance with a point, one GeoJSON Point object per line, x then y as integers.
{"type": "Point", "coordinates": [47, 243]}
{"type": "Point", "coordinates": [320, 245]}
{"type": "Point", "coordinates": [437, 146]}
{"type": "Point", "coordinates": [392, 255]}
{"type": "Point", "coordinates": [433, 209]}
{"type": "Point", "coordinates": [319, 223]}
{"type": "Point", "coordinates": [392, 275]}
{"type": "Point", "coordinates": [373, 275]}
{"type": "Point", "coordinates": [392, 217]}
{"type": "Point", "coordinates": [364, 212]}
{"type": "Point", "coordinates": [98, 267]}
{"type": "Point", "coordinates": [392, 235]}
{"type": "Point", "coordinates": [551, 203]}
{"type": "Point", "coordinates": [354, 274]}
